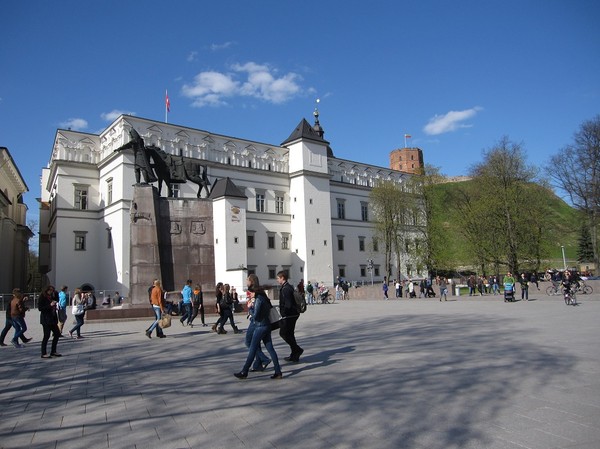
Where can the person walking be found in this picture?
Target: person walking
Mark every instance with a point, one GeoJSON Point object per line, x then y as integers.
{"type": "Point", "coordinates": [156, 299]}
{"type": "Point", "coordinates": [8, 325]}
{"type": "Point", "coordinates": [17, 313]}
{"type": "Point", "coordinates": [198, 305]}
{"type": "Point", "coordinates": [218, 298]}
{"type": "Point", "coordinates": [289, 315]}
{"type": "Point", "coordinates": [49, 321]}
{"type": "Point", "coordinates": [262, 332]}
{"type": "Point", "coordinates": [226, 307]}
{"type": "Point", "coordinates": [63, 303]}
{"type": "Point", "coordinates": [443, 288]}
{"type": "Point", "coordinates": [79, 304]}
{"type": "Point", "coordinates": [261, 361]}
{"type": "Point", "coordinates": [385, 291]}
{"type": "Point", "coordinates": [186, 303]}
{"type": "Point", "coordinates": [524, 287]}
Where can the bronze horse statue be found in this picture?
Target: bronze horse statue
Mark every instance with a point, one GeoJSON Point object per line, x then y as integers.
{"type": "Point", "coordinates": [172, 169]}
{"type": "Point", "coordinates": [164, 167]}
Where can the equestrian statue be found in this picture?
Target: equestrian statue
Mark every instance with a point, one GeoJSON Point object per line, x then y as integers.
{"type": "Point", "coordinates": [165, 167]}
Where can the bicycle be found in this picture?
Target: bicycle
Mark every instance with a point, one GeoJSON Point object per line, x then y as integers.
{"type": "Point", "coordinates": [584, 288]}
{"type": "Point", "coordinates": [553, 290]}
{"type": "Point", "coordinates": [570, 298]}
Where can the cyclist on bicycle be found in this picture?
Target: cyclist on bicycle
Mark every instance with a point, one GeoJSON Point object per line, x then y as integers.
{"type": "Point", "coordinates": [568, 284]}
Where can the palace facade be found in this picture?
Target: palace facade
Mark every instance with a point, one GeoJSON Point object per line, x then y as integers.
{"type": "Point", "coordinates": [301, 208]}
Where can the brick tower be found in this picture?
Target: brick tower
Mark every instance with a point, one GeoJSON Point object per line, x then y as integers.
{"type": "Point", "coordinates": [408, 160]}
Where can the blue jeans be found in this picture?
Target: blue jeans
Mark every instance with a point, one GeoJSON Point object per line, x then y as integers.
{"type": "Point", "coordinates": [260, 359]}
{"type": "Point", "coordinates": [261, 333]}
{"type": "Point", "coordinates": [20, 328]}
{"type": "Point", "coordinates": [77, 327]}
{"type": "Point", "coordinates": [186, 314]}
{"type": "Point", "coordinates": [157, 314]}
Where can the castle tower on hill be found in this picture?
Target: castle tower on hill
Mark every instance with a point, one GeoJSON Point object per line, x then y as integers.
{"type": "Point", "coordinates": [408, 160]}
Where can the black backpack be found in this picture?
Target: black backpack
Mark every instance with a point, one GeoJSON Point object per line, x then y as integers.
{"type": "Point", "coordinates": [300, 301]}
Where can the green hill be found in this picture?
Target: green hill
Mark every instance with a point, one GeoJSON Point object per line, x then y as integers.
{"type": "Point", "coordinates": [563, 225]}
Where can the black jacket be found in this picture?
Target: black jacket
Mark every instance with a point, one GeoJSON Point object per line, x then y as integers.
{"type": "Point", "coordinates": [48, 316]}
{"type": "Point", "coordinates": [287, 303]}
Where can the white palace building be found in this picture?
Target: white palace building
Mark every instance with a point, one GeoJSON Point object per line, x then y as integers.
{"type": "Point", "coordinates": [301, 208]}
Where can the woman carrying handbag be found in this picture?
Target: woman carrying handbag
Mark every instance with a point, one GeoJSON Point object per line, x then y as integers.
{"type": "Point", "coordinates": [79, 304]}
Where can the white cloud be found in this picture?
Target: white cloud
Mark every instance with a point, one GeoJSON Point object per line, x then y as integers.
{"type": "Point", "coordinates": [223, 46]}
{"type": "Point", "coordinates": [256, 80]}
{"type": "Point", "coordinates": [75, 124]}
{"type": "Point", "coordinates": [114, 114]}
{"type": "Point", "coordinates": [451, 121]}
{"type": "Point", "coordinates": [193, 56]}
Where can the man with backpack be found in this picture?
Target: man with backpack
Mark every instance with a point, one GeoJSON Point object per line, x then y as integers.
{"type": "Point", "coordinates": [289, 315]}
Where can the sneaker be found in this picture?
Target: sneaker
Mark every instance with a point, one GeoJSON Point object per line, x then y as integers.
{"type": "Point", "coordinates": [56, 354]}
{"type": "Point", "coordinates": [71, 334]}
{"type": "Point", "coordinates": [148, 334]}
{"type": "Point", "coordinates": [16, 344]}
{"type": "Point", "coordinates": [27, 340]}
{"type": "Point", "coordinates": [277, 376]}
{"type": "Point", "coordinates": [240, 375]}
{"type": "Point", "coordinates": [46, 356]}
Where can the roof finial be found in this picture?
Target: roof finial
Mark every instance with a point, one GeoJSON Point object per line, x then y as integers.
{"type": "Point", "coordinates": [317, 125]}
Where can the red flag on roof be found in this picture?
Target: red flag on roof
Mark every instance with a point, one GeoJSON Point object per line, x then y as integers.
{"type": "Point", "coordinates": [167, 101]}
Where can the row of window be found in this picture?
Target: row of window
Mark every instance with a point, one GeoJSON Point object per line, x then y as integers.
{"type": "Point", "coordinates": [341, 210]}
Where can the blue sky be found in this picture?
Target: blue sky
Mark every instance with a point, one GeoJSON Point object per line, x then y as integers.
{"type": "Point", "coordinates": [455, 75]}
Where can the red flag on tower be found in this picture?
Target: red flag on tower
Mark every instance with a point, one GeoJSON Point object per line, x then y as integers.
{"type": "Point", "coordinates": [167, 101]}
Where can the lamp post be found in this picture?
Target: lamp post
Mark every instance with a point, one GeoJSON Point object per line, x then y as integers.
{"type": "Point", "coordinates": [563, 254]}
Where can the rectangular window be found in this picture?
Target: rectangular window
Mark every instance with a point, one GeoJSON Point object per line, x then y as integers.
{"type": "Point", "coordinates": [279, 204]}
{"type": "Point", "coordinates": [81, 198]}
{"type": "Point", "coordinates": [109, 238]}
{"type": "Point", "coordinates": [80, 240]}
{"type": "Point", "coordinates": [377, 270]}
{"type": "Point", "coordinates": [175, 191]}
{"type": "Point", "coordinates": [340, 240]}
{"type": "Point", "coordinates": [250, 240]}
{"type": "Point", "coordinates": [342, 272]}
{"type": "Point", "coordinates": [272, 271]}
{"type": "Point", "coordinates": [285, 242]}
{"type": "Point", "coordinates": [260, 202]}
{"type": "Point", "coordinates": [109, 192]}
{"type": "Point", "coordinates": [271, 241]}
{"type": "Point", "coordinates": [341, 209]}
{"type": "Point", "coordinates": [363, 271]}
{"type": "Point", "coordinates": [361, 243]}
{"type": "Point", "coordinates": [364, 211]}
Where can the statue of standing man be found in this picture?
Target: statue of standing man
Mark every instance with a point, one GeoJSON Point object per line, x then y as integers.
{"type": "Point", "coordinates": [142, 161]}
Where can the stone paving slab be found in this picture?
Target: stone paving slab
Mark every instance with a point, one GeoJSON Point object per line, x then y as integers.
{"type": "Point", "coordinates": [467, 373]}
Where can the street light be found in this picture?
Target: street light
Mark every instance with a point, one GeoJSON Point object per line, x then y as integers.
{"type": "Point", "coordinates": [563, 254]}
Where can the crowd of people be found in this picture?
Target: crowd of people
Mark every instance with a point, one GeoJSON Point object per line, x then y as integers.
{"type": "Point", "coordinates": [53, 306]}
{"type": "Point", "coordinates": [227, 302]}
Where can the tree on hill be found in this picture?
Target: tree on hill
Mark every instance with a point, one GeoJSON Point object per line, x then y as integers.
{"type": "Point", "coordinates": [501, 223]}
{"type": "Point", "coordinates": [585, 250]}
{"type": "Point", "coordinates": [576, 170]}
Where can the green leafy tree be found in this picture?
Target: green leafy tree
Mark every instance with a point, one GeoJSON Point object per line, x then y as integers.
{"type": "Point", "coordinates": [576, 170]}
{"type": "Point", "coordinates": [503, 226]}
{"type": "Point", "coordinates": [397, 212]}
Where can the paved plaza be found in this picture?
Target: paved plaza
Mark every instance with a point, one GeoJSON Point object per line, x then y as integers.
{"type": "Point", "coordinates": [467, 373]}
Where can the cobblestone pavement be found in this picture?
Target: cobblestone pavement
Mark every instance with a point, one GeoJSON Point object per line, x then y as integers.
{"type": "Point", "coordinates": [467, 373]}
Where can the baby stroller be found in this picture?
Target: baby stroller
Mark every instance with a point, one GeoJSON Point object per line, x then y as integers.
{"type": "Point", "coordinates": [509, 292]}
